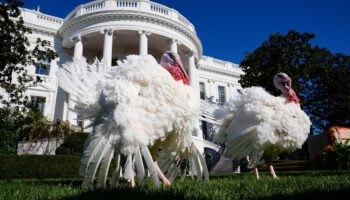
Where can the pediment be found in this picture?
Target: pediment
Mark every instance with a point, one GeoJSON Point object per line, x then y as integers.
{"type": "Point", "coordinates": [42, 87]}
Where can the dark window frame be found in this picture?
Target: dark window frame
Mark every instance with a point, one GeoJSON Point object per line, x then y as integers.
{"type": "Point", "coordinates": [202, 90]}
{"type": "Point", "coordinates": [222, 95]}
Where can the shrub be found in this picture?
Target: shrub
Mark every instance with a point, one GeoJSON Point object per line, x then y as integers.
{"type": "Point", "coordinates": [38, 166]}
{"type": "Point", "coordinates": [32, 126]}
{"type": "Point", "coordinates": [45, 129]}
{"type": "Point", "coordinates": [339, 154]}
{"type": "Point", "coordinates": [73, 144]}
{"type": "Point", "coordinates": [11, 127]}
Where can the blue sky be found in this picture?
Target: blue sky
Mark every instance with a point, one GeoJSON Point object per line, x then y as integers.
{"type": "Point", "coordinates": [228, 28]}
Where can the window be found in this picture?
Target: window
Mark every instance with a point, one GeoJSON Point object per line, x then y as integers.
{"type": "Point", "coordinates": [201, 90]}
{"type": "Point", "coordinates": [42, 68]}
{"type": "Point", "coordinates": [222, 95]}
{"type": "Point", "coordinates": [38, 103]}
{"type": "Point", "coordinates": [205, 130]}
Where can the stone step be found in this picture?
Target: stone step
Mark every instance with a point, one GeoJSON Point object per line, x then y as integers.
{"type": "Point", "coordinates": [224, 165]}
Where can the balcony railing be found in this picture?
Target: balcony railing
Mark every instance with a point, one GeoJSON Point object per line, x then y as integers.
{"type": "Point", "coordinates": [131, 5]}
{"type": "Point", "coordinates": [49, 20]}
{"type": "Point", "coordinates": [41, 19]}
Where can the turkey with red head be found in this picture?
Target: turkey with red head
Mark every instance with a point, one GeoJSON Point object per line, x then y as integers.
{"type": "Point", "coordinates": [258, 125]}
{"type": "Point", "coordinates": [135, 109]}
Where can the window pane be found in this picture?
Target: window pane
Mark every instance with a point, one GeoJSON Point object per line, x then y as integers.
{"type": "Point", "coordinates": [201, 90]}
{"type": "Point", "coordinates": [38, 103]}
{"type": "Point", "coordinates": [205, 130]}
{"type": "Point", "coordinates": [43, 68]}
{"type": "Point", "coordinates": [222, 95]}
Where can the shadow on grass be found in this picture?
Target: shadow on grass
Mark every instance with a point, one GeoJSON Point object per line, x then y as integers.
{"type": "Point", "coordinates": [126, 193]}
{"type": "Point", "coordinates": [319, 195]}
{"type": "Point", "coordinates": [280, 174]}
{"type": "Point", "coordinates": [49, 182]}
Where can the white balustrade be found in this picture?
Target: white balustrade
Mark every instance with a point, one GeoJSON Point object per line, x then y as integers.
{"type": "Point", "coordinates": [94, 6]}
{"type": "Point", "coordinates": [160, 9]}
{"type": "Point", "coordinates": [36, 17]}
{"type": "Point", "coordinates": [183, 20]}
{"type": "Point", "coordinates": [132, 5]}
{"type": "Point", "coordinates": [128, 4]}
{"type": "Point", "coordinates": [50, 20]}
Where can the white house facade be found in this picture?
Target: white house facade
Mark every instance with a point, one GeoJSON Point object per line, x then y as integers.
{"type": "Point", "coordinates": [109, 30]}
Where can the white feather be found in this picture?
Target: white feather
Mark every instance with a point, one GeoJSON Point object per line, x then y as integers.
{"type": "Point", "coordinates": [254, 120]}
{"type": "Point", "coordinates": [131, 106]}
{"type": "Point", "coordinates": [140, 167]}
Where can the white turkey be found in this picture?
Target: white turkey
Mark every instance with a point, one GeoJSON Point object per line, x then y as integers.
{"type": "Point", "coordinates": [134, 107]}
{"type": "Point", "coordinates": [258, 125]}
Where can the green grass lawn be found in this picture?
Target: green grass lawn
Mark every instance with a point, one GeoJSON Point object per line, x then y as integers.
{"type": "Point", "coordinates": [290, 185]}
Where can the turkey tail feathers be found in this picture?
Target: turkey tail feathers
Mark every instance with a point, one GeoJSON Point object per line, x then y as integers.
{"type": "Point", "coordinates": [104, 168]}
{"type": "Point", "coordinates": [116, 173]}
{"type": "Point", "coordinates": [207, 112]}
{"type": "Point", "coordinates": [199, 167]}
{"type": "Point", "coordinates": [149, 163]}
{"type": "Point", "coordinates": [179, 163]}
{"type": "Point", "coordinates": [94, 163]}
{"type": "Point", "coordinates": [140, 169]}
{"type": "Point", "coordinates": [203, 165]}
{"type": "Point", "coordinates": [101, 159]}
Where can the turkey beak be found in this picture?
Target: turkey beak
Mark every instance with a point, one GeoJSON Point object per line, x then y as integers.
{"type": "Point", "coordinates": [285, 86]}
{"type": "Point", "coordinates": [172, 57]}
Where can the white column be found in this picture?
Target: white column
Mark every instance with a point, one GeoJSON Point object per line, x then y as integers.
{"type": "Point", "coordinates": [213, 90]}
{"type": "Point", "coordinates": [65, 107]}
{"type": "Point", "coordinates": [143, 46]}
{"type": "Point", "coordinates": [192, 72]}
{"type": "Point", "coordinates": [78, 47]}
{"type": "Point", "coordinates": [173, 45]}
{"type": "Point", "coordinates": [228, 91]}
{"type": "Point", "coordinates": [108, 46]}
{"type": "Point", "coordinates": [210, 82]}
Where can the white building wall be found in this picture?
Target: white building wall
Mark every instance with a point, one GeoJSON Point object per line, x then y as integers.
{"type": "Point", "coordinates": [43, 147]}
{"type": "Point", "coordinates": [213, 73]}
{"type": "Point", "coordinates": [48, 87]}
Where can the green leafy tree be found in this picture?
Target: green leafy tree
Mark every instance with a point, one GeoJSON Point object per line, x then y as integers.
{"type": "Point", "coordinates": [281, 53]}
{"type": "Point", "coordinates": [319, 77]}
{"type": "Point", "coordinates": [15, 57]}
{"type": "Point", "coordinates": [328, 92]}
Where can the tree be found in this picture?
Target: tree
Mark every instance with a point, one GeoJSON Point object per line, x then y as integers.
{"type": "Point", "coordinates": [15, 57]}
{"type": "Point", "coordinates": [328, 92]}
{"type": "Point", "coordinates": [319, 76]}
